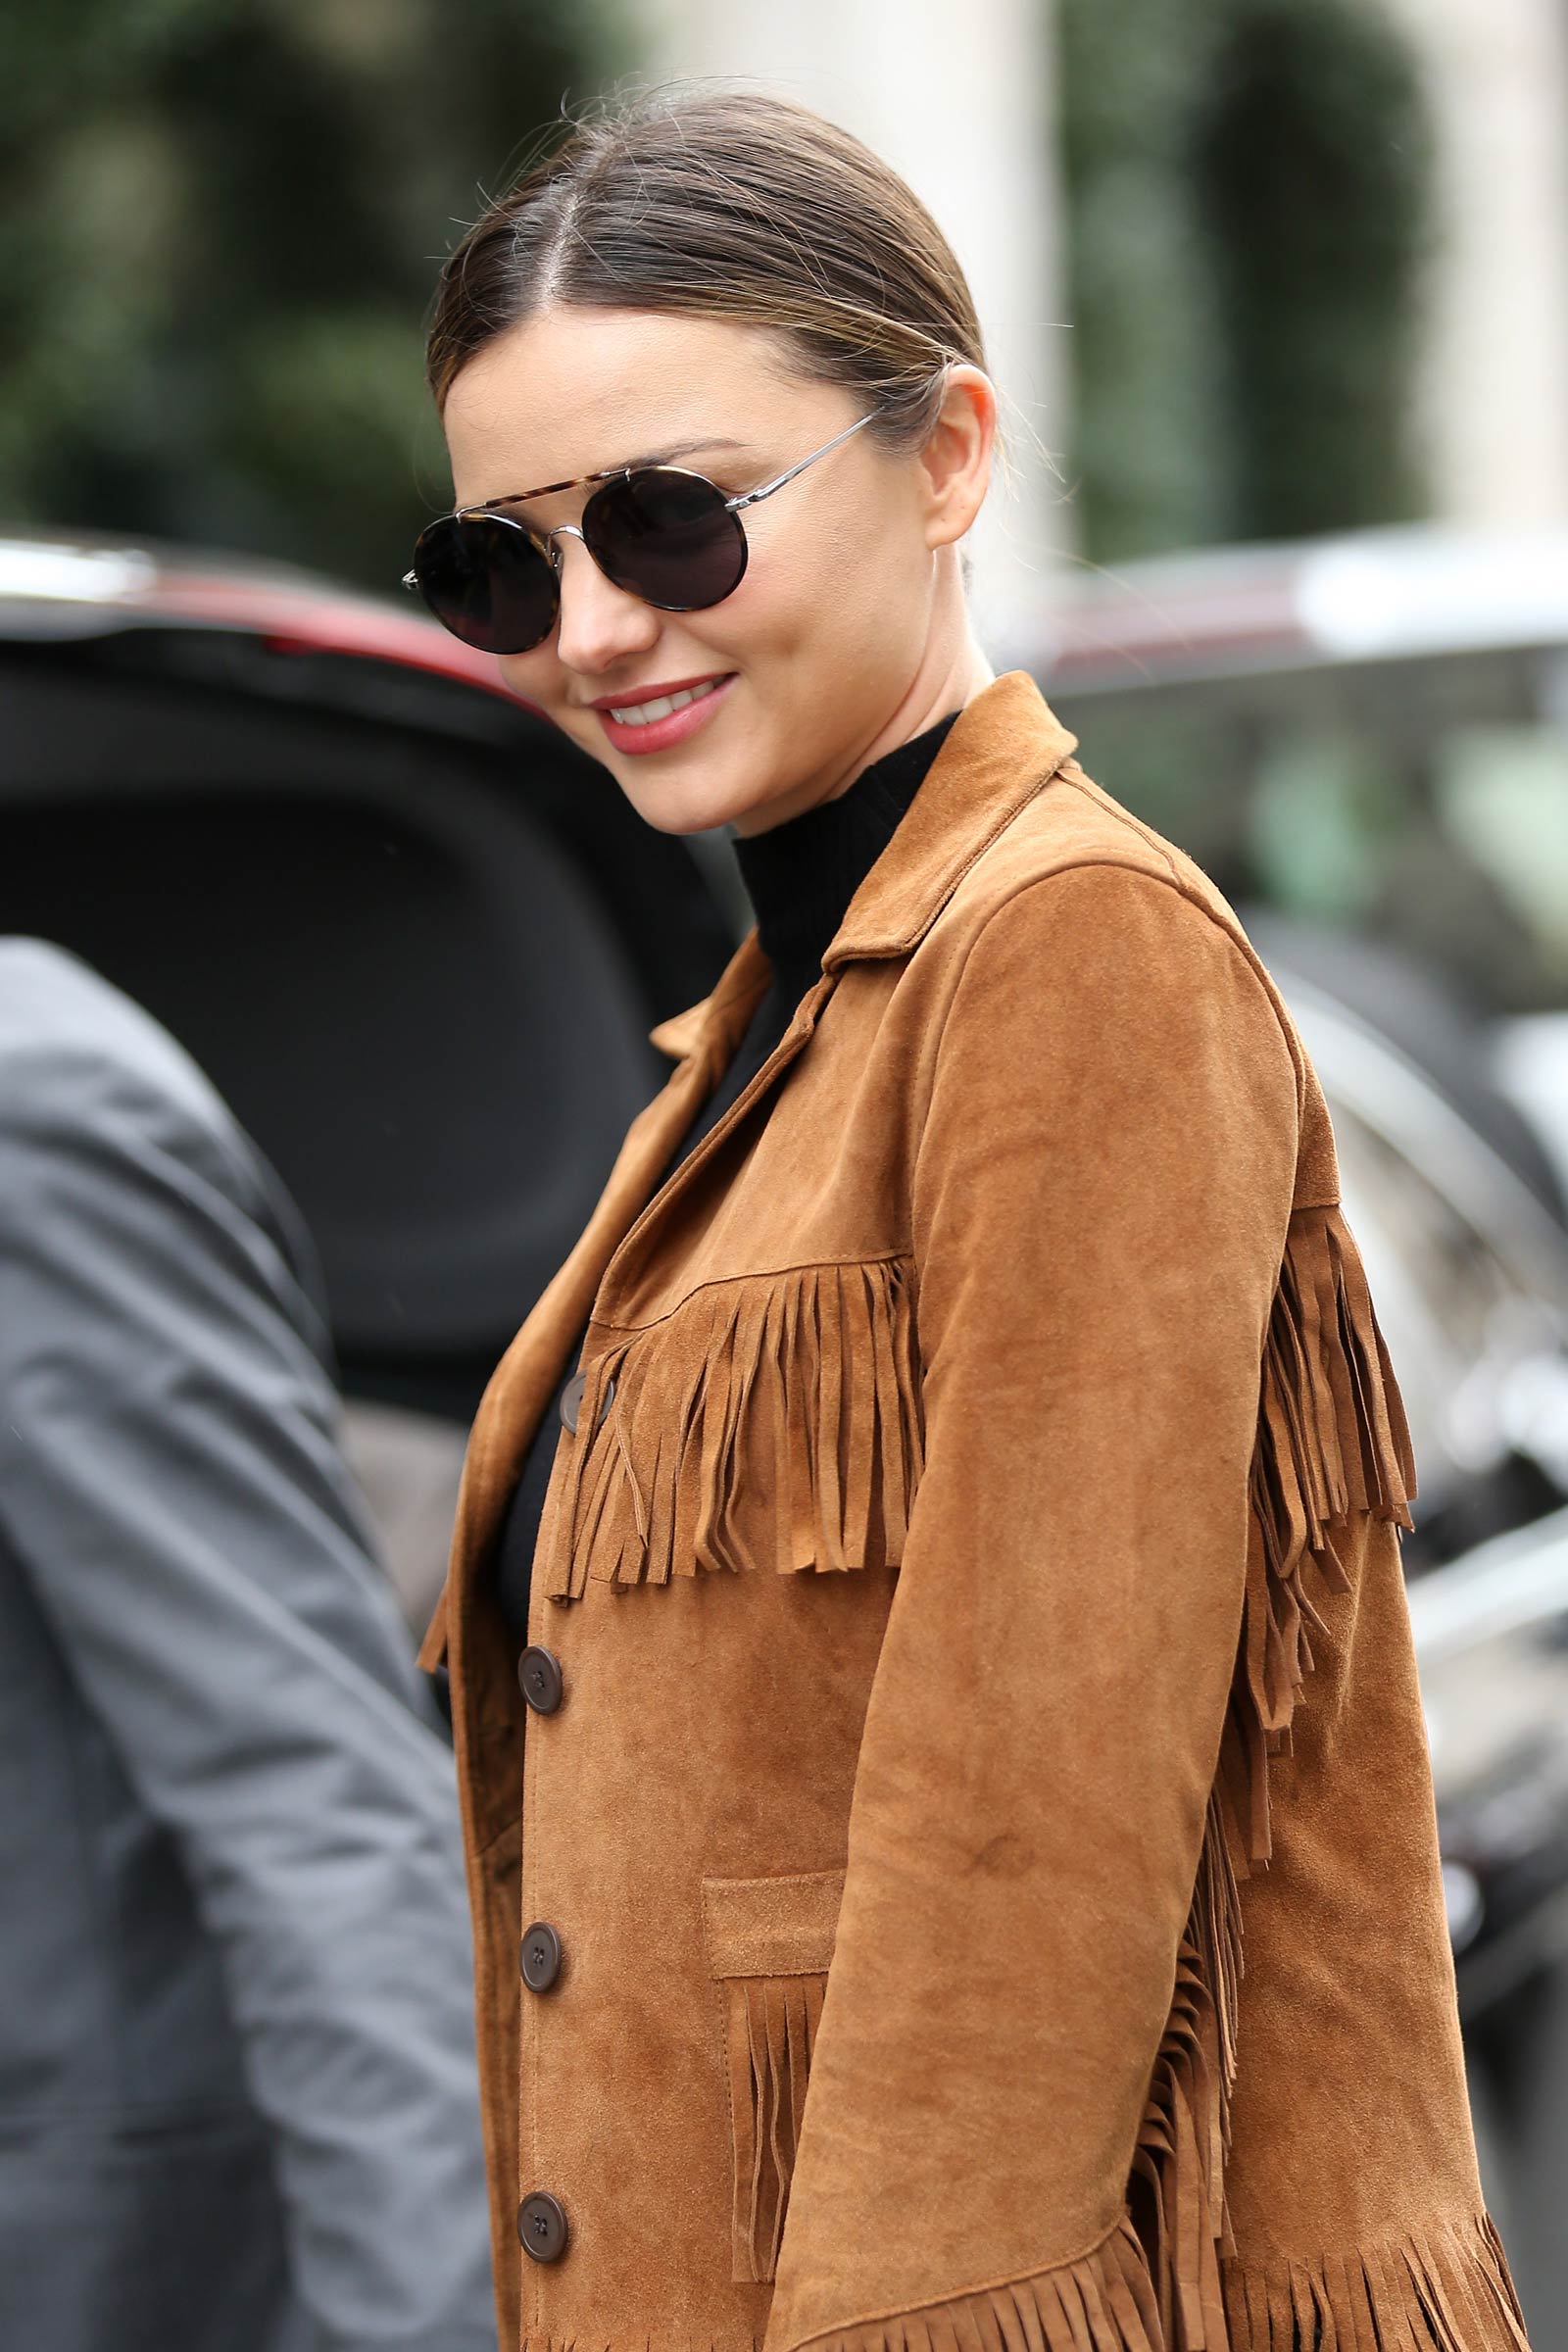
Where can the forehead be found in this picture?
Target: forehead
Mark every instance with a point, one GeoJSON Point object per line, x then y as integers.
{"type": "Point", "coordinates": [573, 390]}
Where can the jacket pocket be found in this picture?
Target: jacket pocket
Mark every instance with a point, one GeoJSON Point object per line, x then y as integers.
{"type": "Point", "coordinates": [770, 1942]}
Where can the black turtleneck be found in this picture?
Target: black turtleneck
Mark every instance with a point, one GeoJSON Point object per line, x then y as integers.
{"type": "Point", "coordinates": [799, 877]}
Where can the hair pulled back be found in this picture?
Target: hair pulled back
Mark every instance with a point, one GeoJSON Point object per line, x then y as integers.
{"type": "Point", "coordinates": [732, 205]}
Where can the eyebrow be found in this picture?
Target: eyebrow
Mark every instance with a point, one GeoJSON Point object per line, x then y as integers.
{"type": "Point", "coordinates": [679, 448]}
{"type": "Point", "coordinates": [662, 456]}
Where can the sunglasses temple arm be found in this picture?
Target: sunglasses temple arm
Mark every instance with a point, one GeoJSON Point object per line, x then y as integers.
{"type": "Point", "coordinates": [750, 497]}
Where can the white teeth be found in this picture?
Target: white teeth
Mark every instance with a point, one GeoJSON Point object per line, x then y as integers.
{"type": "Point", "coordinates": [641, 714]}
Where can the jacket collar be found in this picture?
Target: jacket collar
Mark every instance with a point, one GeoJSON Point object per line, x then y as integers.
{"type": "Point", "coordinates": [1002, 747]}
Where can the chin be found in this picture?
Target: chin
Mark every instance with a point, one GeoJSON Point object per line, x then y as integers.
{"type": "Point", "coordinates": [679, 817]}
{"type": "Point", "coordinates": [683, 803]}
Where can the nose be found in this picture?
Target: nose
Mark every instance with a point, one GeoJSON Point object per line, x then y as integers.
{"type": "Point", "coordinates": [598, 623]}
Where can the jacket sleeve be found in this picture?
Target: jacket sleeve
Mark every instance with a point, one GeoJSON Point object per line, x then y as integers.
{"type": "Point", "coordinates": [1102, 1195]}
{"type": "Point", "coordinates": [172, 1487]}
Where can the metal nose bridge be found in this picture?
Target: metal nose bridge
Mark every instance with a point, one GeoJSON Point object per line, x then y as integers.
{"type": "Point", "coordinates": [563, 530]}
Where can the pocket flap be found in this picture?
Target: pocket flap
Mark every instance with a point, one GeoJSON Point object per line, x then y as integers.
{"type": "Point", "coordinates": [771, 1927]}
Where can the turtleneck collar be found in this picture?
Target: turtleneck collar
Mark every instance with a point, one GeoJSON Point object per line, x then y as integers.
{"type": "Point", "coordinates": [800, 876]}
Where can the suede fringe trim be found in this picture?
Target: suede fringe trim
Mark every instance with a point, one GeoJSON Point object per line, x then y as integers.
{"type": "Point", "coordinates": [775, 1418]}
{"type": "Point", "coordinates": [1184, 2139]}
{"type": "Point", "coordinates": [1332, 1443]}
{"type": "Point", "coordinates": [773, 2026]}
{"type": "Point", "coordinates": [1101, 2303]}
{"type": "Point", "coordinates": [1446, 2290]}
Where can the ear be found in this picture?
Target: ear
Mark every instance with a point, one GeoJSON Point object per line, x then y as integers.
{"type": "Point", "coordinates": [955, 460]}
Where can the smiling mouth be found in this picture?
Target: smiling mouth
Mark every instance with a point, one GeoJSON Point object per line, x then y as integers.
{"type": "Point", "coordinates": [643, 714]}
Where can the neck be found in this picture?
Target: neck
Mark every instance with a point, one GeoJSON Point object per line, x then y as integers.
{"type": "Point", "coordinates": [800, 876]}
{"type": "Point", "coordinates": [950, 673]}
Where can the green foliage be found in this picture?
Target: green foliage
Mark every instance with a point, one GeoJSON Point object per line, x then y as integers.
{"type": "Point", "coordinates": [1313, 161]}
{"type": "Point", "coordinates": [1248, 187]}
{"type": "Point", "coordinates": [1144, 468]}
{"type": "Point", "coordinates": [220, 223]}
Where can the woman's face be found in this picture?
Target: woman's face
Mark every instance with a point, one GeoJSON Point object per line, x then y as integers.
{"type": "Point", "coordinates": [814, 658]}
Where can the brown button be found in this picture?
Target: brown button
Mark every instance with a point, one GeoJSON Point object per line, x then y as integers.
{"type": "Point", "coordinates": [571, 1397]}
{"type": "Point", "coordinates": [542, 2227]}
{"type": "Point", "coordinates": [539, 1956]}
{"type": "Point", "coordinates": [539, 1673]}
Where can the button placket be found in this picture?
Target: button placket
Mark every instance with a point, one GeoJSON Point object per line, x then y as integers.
{"type": "Point", "coordinates": [542, 2228]}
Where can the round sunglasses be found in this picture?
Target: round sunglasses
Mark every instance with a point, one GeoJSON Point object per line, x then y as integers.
{"type": "Point", "coordinates": [660, 533]}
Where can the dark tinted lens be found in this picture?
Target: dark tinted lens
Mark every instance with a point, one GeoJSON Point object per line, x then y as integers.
{"type": "Point", "coordinates": [667, 536]}
{"type": "Point", "coordinates": [486, 581]}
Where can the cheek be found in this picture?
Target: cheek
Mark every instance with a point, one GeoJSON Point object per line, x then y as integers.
{"type": "Point", "coordinates": [845, 597]}
{"type": "Point", "coordinates": [840, 576]}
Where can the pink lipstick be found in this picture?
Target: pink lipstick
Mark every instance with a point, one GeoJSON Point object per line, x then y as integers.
{"type": "Point", "coordinates": [675, 726]}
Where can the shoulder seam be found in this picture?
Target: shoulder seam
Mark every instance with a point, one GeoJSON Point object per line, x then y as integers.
{"type": "Point", "coordinates": [1087, 789]}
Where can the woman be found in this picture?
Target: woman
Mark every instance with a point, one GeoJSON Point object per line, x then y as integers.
{"type": "Point", "coordinates": [887, 1669]}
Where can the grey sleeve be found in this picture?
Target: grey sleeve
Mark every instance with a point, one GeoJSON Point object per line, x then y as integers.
{"type": "Point", "coordinates": [172, 1483]}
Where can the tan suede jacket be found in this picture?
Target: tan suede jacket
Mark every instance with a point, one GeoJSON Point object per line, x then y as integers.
{"type": "Point", "coordinates": [966, 1792]}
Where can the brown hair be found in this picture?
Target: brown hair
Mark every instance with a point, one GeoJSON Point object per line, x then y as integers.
{"type": "Point", "coordinates": [723, 204]}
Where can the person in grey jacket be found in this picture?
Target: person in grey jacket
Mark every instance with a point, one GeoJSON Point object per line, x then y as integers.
{"type": "Point", "coordinates": [238, 2109]}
